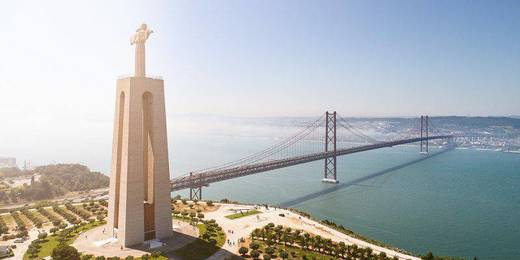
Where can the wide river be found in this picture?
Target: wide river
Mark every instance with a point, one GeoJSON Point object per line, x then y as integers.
{"type": "Point", "coordinates": [461, 203]}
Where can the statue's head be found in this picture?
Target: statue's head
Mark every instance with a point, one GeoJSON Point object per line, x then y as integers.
{"type": "Point", "coordinates": [143, 27]}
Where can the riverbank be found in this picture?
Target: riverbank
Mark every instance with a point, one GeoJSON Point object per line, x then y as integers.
{"type": "Point", "coordinates": [241, 228]}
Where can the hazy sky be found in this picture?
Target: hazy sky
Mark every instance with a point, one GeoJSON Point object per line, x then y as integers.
{"type": "Point", "coordinates": [59, 60]}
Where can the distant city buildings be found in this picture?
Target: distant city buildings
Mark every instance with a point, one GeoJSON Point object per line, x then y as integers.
{"type": "Point", "coordinates": [6, 162]}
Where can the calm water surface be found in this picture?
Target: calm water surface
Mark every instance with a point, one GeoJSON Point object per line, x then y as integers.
{"type": "Point", "coordinates": [460, 203]}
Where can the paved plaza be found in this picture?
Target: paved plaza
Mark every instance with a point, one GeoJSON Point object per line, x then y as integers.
{"type": "Point", "coordinates": [98, 242]}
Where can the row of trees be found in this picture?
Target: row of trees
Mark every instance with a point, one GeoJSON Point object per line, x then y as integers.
{"type": "Point", "coordinates": [186, 214]}
{"type": "Point", "coordinates": [3, 226]}
{"type": "Point", "coordinates": [51, 217]}
{"type": "Point", "coordinates": [92, 207]}
{"type": "Point", "coordinates": [269, 253]}
{"type": "Point", "coordinates": [33, 218]}
{"type": "Point", "coordinates": [272, 235]}
{"type": "Point", "coordinates": [18, 220]}
{"type": "Point", "coordinates": [20, 227]}
{"type": "Point", "coordinates": [80, 212]}
{"type": "Point", "coordinates": [96, 209]}
{"type": "Point", "coordinates": [66, 215]}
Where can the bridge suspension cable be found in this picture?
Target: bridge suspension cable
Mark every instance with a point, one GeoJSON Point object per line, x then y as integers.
{"type": "Point", "coordinates": [277, 148]}
{"type": "Point", "coordinates": [351, 129]}
{"type": "Point", "coordinates": [433, 128]}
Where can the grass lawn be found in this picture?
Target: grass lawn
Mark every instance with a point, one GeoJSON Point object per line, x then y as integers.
{"type": "Point", "coordinates": [242, 214]}
{"type": "Point", "coordinates": [52, 241]}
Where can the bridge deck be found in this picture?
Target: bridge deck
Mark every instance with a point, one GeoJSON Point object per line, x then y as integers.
{"type": "Point", "coordinates": [205, 178]}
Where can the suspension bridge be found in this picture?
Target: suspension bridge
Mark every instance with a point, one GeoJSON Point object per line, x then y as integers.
{"type": "Point", "coordinates": [326, 138]}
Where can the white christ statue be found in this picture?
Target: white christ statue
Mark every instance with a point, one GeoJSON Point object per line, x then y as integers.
{"type": "Point", "coordinates": [139, 39]}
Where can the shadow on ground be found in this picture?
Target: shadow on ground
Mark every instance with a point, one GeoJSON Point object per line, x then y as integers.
{"type": "Point", "coordinates": [358, 181]}
{"type": "Point", "coordinates": [194, 249]}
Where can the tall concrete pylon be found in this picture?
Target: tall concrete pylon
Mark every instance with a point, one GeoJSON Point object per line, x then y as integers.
{"type": "Point", "coordinates": [139, 196]}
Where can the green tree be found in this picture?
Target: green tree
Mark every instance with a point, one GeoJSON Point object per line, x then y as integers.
{"type": "Point", "coordinates": [254, 245]}
{"type": "Point", "coordinates": [65, 252]}
{"type": "Point", "coordinates": [284, 255]}
{"type": "Point", "coordinates": [243, 251]}
{"type": "Point", "coordinates": [42, 235]}
{"type": "Point", "coordinates": [255, 254]}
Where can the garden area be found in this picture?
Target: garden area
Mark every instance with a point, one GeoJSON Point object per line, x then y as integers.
{"type": "Point", "coordinates": [278, 242]}
{"type": "Point", "coordinates": [243, 213]}
{"type": "Point", "coordinates": [45, 244]}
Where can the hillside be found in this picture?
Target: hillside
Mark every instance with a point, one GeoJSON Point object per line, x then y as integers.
{"type": "Point", "coordinates": [54, 180]}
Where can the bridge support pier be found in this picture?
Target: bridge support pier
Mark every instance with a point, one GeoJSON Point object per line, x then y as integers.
{"type": "Point", "coordinates": [424, 133]}
{"type": "Point", "coordinates": [196, 193]}
{"type": "Point", "coordinates": [330, 175]}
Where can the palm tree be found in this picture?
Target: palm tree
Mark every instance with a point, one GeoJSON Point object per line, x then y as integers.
{"type": "Point", "coordinates": [317, 243]}
{"type": "Point", "coordinates": [342, 248]}
{"type": "Point", "coordinates": [327, 245]}
{"type": "Point", "coordinates": [303, 243]}
{"type": "Point", "coordinates": [311, 243]}
{"type": "Point", "coordinates": [285, 238]}
{"type": "Point", "coordinates": [368, 251]}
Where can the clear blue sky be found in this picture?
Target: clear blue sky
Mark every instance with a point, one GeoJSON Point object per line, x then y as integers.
{"type": "Point", "coordinates": [59, 61]}
{"type": "Point", "coordinates": [255, 58]}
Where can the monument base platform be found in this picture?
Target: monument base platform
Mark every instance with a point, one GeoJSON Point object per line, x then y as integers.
{"type": "Point", "coordinates": [99, 242]}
